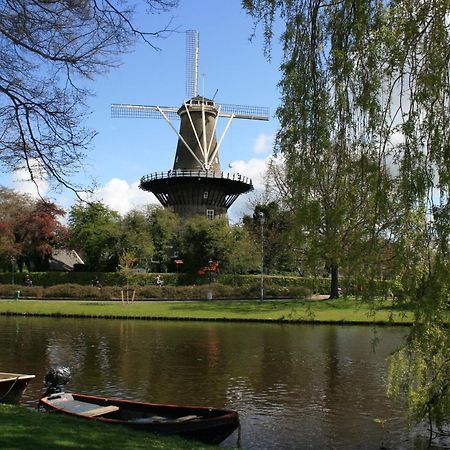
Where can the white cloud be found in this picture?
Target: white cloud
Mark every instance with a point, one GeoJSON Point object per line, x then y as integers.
{"type": "Point", "coordinates": [21, 182]}
{"type": "Point", "coordinates": [263, 143]}
{"type": "Point", "coordinates": [122, 197]}
{"type": "Point", "coordinates": [397, 138]}
{"type": "Point", "coordinates": [254, 169]}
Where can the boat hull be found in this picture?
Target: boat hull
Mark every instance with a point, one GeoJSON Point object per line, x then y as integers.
{"type": "Point", "coordinates": [208, 425]}
{"type": "Point", "coordinates": [12, 386]}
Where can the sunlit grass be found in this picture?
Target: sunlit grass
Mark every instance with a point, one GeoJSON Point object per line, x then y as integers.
{"type": "Point", "coordinates": [25, 429]}
{"type": "Point", "coordinates": [342, 310]}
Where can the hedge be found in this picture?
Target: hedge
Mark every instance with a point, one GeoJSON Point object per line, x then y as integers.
{"type": "Point", "coordinates": [215, 290]}
{"type": "Point", "coordinates": [319, 285]}
{"type": "Point", "coordinates": [250, 282]}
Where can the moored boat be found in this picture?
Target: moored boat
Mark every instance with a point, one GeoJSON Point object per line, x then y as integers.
{"type": "Point", "coordinates": [208, 425]}
{"type": "Point", "coordinates": [12, 386]}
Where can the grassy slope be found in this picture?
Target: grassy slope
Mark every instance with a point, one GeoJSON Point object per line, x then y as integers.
{"type": "Point", "coordinates": [343, 310]}
{"type": "Point", "coordinates": [24, 429]}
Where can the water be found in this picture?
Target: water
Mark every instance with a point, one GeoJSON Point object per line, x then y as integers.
{"type": "Point", "coordinates": [294, 386]}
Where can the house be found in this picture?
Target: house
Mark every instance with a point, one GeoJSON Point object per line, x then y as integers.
{"type": "Point", "coordinates": [65, 260]}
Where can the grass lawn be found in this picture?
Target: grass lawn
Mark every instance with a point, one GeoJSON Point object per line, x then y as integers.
{"type": "Point", "coordinates": [25, 429]}
{"type": "Point", "coordinates": [346, 310]}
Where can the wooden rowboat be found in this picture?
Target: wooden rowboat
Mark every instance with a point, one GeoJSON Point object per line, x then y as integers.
{"type": "Point", "coordinates": [12, 386]}
{"type": "Point", "coordinates": [208, 425]}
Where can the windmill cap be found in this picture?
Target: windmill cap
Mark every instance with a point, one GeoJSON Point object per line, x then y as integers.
{"type": "Point", "coordinates": [197, 103]}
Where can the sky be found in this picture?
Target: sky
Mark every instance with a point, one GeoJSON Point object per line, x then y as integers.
{"type": "Point", "coordinates": [124, 150]}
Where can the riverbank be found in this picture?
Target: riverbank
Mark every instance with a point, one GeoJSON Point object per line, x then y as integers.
{"type": "Point", "coordinates": [22, 428]}
{"type": "Point", "coordinates": [345, 310]}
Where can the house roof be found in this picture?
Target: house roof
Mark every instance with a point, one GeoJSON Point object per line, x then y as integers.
{"type": "Point", "coordinates": [64, 260]}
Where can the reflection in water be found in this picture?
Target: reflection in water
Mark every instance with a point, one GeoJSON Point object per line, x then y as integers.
{"type": "Point", "coordinates": [295, 386]}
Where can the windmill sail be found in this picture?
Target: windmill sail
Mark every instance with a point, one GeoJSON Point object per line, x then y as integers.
{"type": "Point", "coordinates": [192, 55]}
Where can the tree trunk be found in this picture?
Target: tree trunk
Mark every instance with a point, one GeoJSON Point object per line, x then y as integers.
{"type": "Point", "coordinates": [334, 288]}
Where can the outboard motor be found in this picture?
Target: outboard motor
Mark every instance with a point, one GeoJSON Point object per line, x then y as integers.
{"type": "Point", "coordinates": [55, 380]}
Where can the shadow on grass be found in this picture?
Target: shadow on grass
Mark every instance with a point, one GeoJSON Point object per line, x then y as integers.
{"type": "Point", "coordinates": [25, 429]}
{"type": "Point", "coordinates": [234, 306]}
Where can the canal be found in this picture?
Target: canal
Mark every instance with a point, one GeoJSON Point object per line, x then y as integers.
{"type": "Point", "coordinates": [294, 386]}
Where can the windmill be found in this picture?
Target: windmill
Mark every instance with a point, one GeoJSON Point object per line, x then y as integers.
{"type": "Point", "coordinates": [196, 183]}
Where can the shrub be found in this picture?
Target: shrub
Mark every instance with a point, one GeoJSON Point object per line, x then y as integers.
{"type": "Point", "coordinates": [199, 292]}
{"type": "Point", "coordinates": [318, 285]}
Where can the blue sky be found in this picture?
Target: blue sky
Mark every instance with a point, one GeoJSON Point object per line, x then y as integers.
{"type": "Point", "coordinates": [126, 149]}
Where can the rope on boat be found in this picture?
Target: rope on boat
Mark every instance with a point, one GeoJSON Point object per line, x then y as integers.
{"type": "Point", "coordinates": [9, 390]}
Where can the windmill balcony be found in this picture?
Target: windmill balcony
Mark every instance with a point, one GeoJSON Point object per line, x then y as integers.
{"type": "Point", "coordinates": [191, 192]}
{"type": "Point", "coordinates": [195, 174]}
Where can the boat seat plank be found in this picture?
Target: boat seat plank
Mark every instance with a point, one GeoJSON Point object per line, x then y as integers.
{"type": "Point", "coordinates": [187, 418]}
{"type": "Point", "coordinates": [68, 403]}
{"type": "Point", "coordinates": [99, 411]}
{"type": "Point", "coordinates": [14, 377]}
{"type": "Point", "coordinates": [161, 419]}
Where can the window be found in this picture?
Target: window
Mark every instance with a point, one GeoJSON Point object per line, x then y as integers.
{"type": "Point", "coordinates": [210, 214]}
{"type": "Point", "coordinates": [205, 194]}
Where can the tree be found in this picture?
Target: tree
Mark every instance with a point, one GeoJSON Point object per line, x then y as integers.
{"type": "Point", "coordinates": [136, 238]}
{"type": "Point", "coordinates": [95, 233]}
{"type": "Point", "coordinates": [39, 233]}
{"type": "Point", "coordinates": [335, 175]}
{"type": "Point", "coordinates": [164, 227]}
{"type": "Point", "coordinates": [365, 84]}
{"type": "Point", "coordinates": [242, 257]}
{"type": "Point", "coordinates": [280, 250]}
{"type": "Point", "coordinates": [12, 207]}
{"type": "Point", "coordinates": [49, 51]}
{"type": "Point", "coordinates": [203, 241]}
{"type": "Point", "coordinates": [31, 230]}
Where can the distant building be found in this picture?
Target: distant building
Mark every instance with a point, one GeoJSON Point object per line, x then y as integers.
{"type": "Point", "coordinates": [65, 260]}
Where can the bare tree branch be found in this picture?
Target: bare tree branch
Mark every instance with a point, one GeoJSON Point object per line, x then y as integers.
{"type": "Point", "coordinates": [49, 51]}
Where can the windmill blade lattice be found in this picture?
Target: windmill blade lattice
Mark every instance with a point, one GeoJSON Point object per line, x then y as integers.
{"type": "Point", "coordinates": [243, 112]}
{"type": "Point", "coordinates": [192, 55]}
{"type": "Point", "coordinates": [125, 111]}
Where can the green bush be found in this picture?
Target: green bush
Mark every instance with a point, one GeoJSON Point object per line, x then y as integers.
{"type": "Point", "coordinates": [179, 285]}
{"type": "Point", "coordinates": [170, 279]}
{"type": "Point", "coordinates": [86, 278]}
{"type": "Point", "coordinates": [197, 292]}
{"type": "Point", "coordinates": [9, 291]}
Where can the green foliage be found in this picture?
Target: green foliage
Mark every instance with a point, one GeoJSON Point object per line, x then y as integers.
{"type": "Point", "coordinates": [421, 371]}
{"type": "Point", "coordinates": [151, 291]}
{"type": "Point", "coordinates": [336, 180]}
{"type": "Point", "coordinates": [242, 257]}
{"type": "Point", "coordinates": [281, 252]}
{"type": "Point", "coordinates": [204, 240]}
{"type": "Point", "coordinates": [95, 233]}
{"type": "Point", "coordinates": [365, 135]}
{"type": "Point", "coordinates": [137, 238]}
{"type": "Point", "coordinates": [316, 285]}
{"type": "Point", "coordinates": [164, 227]}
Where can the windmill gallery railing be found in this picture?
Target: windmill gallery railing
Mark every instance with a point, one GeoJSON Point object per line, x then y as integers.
{"type": "Point", "coordinates": [196, 174]}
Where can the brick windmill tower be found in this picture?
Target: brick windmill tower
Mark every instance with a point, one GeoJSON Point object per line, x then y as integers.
{"type": "Point", "coordinates": [196, 185]}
